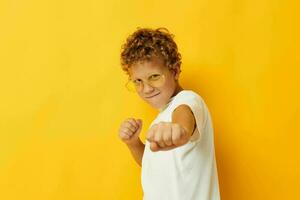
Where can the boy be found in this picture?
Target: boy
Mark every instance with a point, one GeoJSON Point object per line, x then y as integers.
{"type": "Point", "coordinates": [178, 158]}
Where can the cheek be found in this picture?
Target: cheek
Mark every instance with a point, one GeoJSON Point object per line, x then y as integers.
{"type": "Point", "coordinates": [169, 86]}
{"type": "Point", "coordinates": [166, 92]}
{"type": "Point", "coordinates": [141, 96]}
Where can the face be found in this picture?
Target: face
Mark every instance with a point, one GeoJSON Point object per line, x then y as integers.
{"type": "Point", "coordinates": [157, 97]}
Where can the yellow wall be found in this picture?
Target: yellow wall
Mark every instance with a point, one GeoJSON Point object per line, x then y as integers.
{"type": "Point", "coordinates": [62, 95]}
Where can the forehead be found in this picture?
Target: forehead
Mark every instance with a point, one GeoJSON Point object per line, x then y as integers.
{"type": "Point", "coordinates": [146, 68]}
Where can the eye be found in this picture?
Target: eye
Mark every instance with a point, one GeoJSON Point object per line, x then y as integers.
{"type": "Point", "coordinates": [137, 81]}
{"type": "Point", "coordinates": [154, 77]}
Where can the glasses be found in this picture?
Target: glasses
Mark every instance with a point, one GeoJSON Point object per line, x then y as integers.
{"type": "Point", "coordinates": [137, 85]}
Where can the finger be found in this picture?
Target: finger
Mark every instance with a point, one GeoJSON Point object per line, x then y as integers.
{"type": "Point", "coordinates": [167, 148]}
{"type": "Point", "coordinates": [129, 126]}
{"type": "Point", "coordinates": [133, 122]}
{"type": "Point", "coordinates": [124, 136]}
{"type": "Point", "coordinates": [125, 133]}
{"type": "Point", "coordinates": [128, 131]}
{"type": "Point", "coordinates": [161, 144]}
{"type": "Point", "coordinates": [150, 133]}
{"type": "Point", "coordinates": [167, 136]}
{"type": "Point", "coordinates": [154, 147]}
{"type": "Point", "coordinates": [158, 136]}
{"type": "Point", "coordinates": [149, 136]}
{"type": "Point", "coordinates": [139, 122]}
{"type": "Point", "coordinates": [176, 135]}
{"type": "Point", "coordinates": [122, 131]}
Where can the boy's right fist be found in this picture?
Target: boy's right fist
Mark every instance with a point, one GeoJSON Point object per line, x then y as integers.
{"type": "Point", "coordinates": [129, 130]}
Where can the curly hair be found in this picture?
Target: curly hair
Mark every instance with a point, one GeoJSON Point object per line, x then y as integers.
{"type": "Point", "coordinates": [145, 44]}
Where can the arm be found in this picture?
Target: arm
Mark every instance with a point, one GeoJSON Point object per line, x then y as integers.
{"type": "Point", "coordinates": [129, 133]}
{"type": "Point", "coordinates": [184, 116]}
{"type": "Point", "coordinates": [183, 124]}
{"type": "Point", "coordinates": [137, 151]}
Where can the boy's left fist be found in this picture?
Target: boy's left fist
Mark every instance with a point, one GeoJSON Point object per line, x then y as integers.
{"type": "Point", "coordinates": [166, 136]}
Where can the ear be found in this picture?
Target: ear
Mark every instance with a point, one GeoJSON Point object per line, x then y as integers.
{"type": "Point", "coordinates": [176, 71]}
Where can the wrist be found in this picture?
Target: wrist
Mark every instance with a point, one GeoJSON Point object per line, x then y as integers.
{"type": "Point", "coordinates": [134, 144]}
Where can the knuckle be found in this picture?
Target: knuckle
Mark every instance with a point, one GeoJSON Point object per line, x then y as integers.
{"type": "Point", "coordinates": [128, 131]}
{"type": "Point", "coordinates": [167, 139]}
{"type": "Point", "coordinates": [175, 125]}
{"type": "Point", "coordinates": [156, 139]}
{"type": "Point", "coordinates": [176, 139]}
{"type": "Point", "coordinates": [124, 124]}
{"type": "Point", "coordinates": [161, 124]}
{"type": "Point", "coordinates": [128, 120]}
{"type": "Point", "coordinates": [122, 136]}
{"type": "Point", "coordinates": [133, 127]}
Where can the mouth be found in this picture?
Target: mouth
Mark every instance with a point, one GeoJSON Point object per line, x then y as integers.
{"type": "Point", "coordinates": [152, 96]}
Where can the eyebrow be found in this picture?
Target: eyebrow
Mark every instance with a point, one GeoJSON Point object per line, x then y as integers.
{"type": "Point", "coordinates": [148, 76]}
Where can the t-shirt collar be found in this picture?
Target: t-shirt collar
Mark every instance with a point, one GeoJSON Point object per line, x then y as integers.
{"type": "Point", "coordinates": [170, 100]}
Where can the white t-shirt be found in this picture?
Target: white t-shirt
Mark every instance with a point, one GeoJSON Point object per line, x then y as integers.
{"type": "Point", "coordinates": [187, 172]}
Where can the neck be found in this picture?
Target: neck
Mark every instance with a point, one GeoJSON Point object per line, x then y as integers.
{"type": "Point", "coordinates": [177, 90]}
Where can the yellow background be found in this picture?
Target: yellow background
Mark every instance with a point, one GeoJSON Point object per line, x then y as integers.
{"type": "Point", "coordinates": [63, 96]}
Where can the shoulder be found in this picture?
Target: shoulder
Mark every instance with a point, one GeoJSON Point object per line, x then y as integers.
{"type": "Point", "coordinates": [191, 99]}
{"type": "Point", "coordinates": [187, 96]}
{"type": "Point", "coordinates": [191, 105]}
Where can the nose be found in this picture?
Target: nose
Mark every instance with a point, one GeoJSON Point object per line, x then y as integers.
{"type": "Point", "coordinates": [147, 88]}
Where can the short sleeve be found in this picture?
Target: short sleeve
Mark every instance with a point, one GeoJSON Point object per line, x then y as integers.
{"type": "Point", "coordinates": [195, 103]}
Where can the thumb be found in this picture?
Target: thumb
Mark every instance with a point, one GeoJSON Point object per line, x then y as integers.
{"type": "Point", "coordinates": [139, 122]}
{"type": "Point", "coordinates": [154, 146]}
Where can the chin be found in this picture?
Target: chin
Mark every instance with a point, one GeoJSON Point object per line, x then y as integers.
{"type": "Point", "coordinates": [158, 105]}
{"type": "Point", "coordinates": [157, 101]}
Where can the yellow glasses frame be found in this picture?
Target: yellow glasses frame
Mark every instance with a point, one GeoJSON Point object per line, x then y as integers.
{"type": "Point", "coordinates": [137, 85]}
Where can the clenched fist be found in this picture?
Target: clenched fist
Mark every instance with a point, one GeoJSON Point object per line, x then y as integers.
{"type": "Point", "coordinates": [166, 136]}
{"type": "Point", "coordinates": [129, 130]}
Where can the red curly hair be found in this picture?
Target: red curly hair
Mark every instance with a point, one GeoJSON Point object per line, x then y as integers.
{"type": "Point", "coordinates": [145, 44]}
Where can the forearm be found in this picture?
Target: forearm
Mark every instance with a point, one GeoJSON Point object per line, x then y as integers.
{"type": "Point", "coordinates": [137, 151]}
